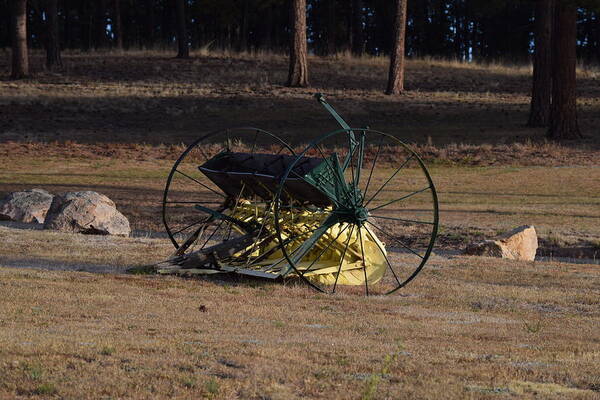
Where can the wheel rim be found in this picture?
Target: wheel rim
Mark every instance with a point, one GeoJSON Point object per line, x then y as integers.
{"type": "Point", "coordinates": [400, 208]}
{"type": "Point", "coordinates": [187, 187]}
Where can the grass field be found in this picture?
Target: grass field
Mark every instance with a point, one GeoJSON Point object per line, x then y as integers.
{"type": "Point", "coordinates": [561, 202]}
{"type": "Point", "coordinates": [465, 328]}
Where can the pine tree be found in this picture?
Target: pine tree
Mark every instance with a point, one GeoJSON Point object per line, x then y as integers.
{"type": "Point", "coordinates": [298, 73]}
{"type": "Point", "coordinates": [396, 73]}
{"type": "Point", "coordinates": [541, 93]}
{"type": "Point", "coordinates": [563, 115]}
{"type": "Point", "coordinates": [53, 58]}
{"type": "Point", "coordinates": [20, 57]}
{"type": "Point", "coordinates": [183, 48]}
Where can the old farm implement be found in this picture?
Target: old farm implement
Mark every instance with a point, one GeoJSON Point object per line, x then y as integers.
{"type": "Point", "coordinates": [356, 208]}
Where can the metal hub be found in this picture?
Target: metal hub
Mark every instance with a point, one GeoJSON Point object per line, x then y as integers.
{"type": "Point", "coordinates": [361, 214]}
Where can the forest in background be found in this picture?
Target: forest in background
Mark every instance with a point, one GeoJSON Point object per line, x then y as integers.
{"type": "Point", "coordinates": [496, 30]}
{"type": "Point", "coordinates": [551, 33]}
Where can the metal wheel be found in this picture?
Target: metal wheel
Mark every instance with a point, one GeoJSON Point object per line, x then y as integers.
{"type": "Point", "coordinates": [379, 227]}
{"type": "Point", "coordinates": [197, 213]}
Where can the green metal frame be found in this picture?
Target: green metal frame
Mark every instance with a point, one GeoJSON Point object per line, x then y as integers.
{"type": "Point", "coordinates": [347, 204]}
{"type": "Point", "coordinates": [329, 178]}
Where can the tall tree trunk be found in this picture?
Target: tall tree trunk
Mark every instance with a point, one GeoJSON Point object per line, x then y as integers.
{"type": "Point", "coordinates": [53, 58]}
{"type": "Point", "coordinates": [358, 45]}
{"type": "Point", "coordinates": [67, 39]}
{"type": "Point", "coordinates": [243, 43]}
{"type": "Point", "coordinates": [541, 94]}
{"type": "Point", "coordinates": [149, 31]}
{"type": "Point", "coordinates": [396, 74]}
{"type": "Point", "coordinates": [99, 24]}
{"type": "Point", "coordinates": [298, 74]}
{"type": "Point", "coordinates": [563, 117]}
{"type": "Point", "coordinates": [85, 25]}
{"type": "Point", "coordinates": [182, 37]}
{"type": "Point", "coordinates": [20, 58]}
{"type": "Point", "coordinates": [118, 26]}
{"type": "Point", "coordinates": [331, 25]}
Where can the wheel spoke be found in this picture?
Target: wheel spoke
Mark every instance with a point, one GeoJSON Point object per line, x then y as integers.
{"type": "Point", "coordinates": [280, 150]}
{"type": "Point", "coordinates": [273, 250]}
{"type": "Point", "coordinates": [342, 259]}
{"type": "Point", "coordinates": [400, 199]}
{"type": "Point", "coordinates": [360, 158]}
{"type": "Point", "coordinates": [213, 233]}
{"type": "Point", "coordinates": [324, 250]}
{"type": "Point", "coordinates": [200, 183]}
{"type": "Point", "coordinates": [401, 219]}
{"type": "Point", "coordinates": [373, 167]}
{"type": "Point", "coordinates": [362, 252]}
{"type": "Point", "coordinates": [390, 178]}
{"type": "Point", "coordinates": [282, 246]}
{"type": "Point", "coordinates": [254, 144]}
{"type": "Point", "coordinates": [385, 256]}
{"type": "Point", "coordinates": [262, 226]}
{"type": "Point", "coordinates": [237, 202]}
{"type": "Point", "coordinates": [352, 175]}
{"type": "Point", "coordinates": [304, 179]}
{"type": "Point", "coordinates": [396, 239]}
{"type": "Point", "coordinates": [189, 226]}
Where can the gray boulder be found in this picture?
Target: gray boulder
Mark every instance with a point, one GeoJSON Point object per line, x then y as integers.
{"type": "Point", "coordinates": [86, 212]}
{"type": "Point", "coordinates": [27, 206]}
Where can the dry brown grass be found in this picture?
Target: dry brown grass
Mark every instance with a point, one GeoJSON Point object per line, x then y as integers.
{"type": "Point", "coordinates": [528, 153]}
{"type": "Point", "coordinates": [48, 248]}
{"type": "Point", "coordinates": [487, 199]}
{"type": "Point", "coordinates": [465, 328]}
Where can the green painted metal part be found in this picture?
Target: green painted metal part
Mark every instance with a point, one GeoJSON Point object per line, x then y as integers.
{"type": "Point", "coordinates": [350, 206]}
{"type": "Point", "coordinates": [297, 180]}
{"type": "Point", "coordinates": [327, 178]}
{"type": "Point", "coordinates": [352, 143]}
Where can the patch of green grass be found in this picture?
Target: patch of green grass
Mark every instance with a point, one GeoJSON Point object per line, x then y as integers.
{"type": "Point", "coordinates": [107, 351]}
{"type": "Point", "coordinates": [212, 387]}
{"type": "Point", "coordinates": [342, 361]}
{"type": "Point", "coordinates": [375, 378]}
{"type": "Point", "coordinates": [532, 327]}
{"type": "Point", "coordinates": [34, 371]}
{"type": "Point", "coordinates": [189, 382]}
{"type": "Point", "coordinates": [45, 389]}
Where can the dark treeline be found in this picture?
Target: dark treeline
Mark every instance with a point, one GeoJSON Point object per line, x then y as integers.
{"type": "Point", "coordinates": [461, 29]}
{"type": "Point", "coordinates": [554, 32]}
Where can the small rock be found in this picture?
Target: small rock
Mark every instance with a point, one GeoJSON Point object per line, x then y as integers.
{"type": "Point", "coordinates": [519, 244]}
{"type": "Point", "coordinates": [27, 206]}
{"type": "Point", "coordinates": [86, 212]}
